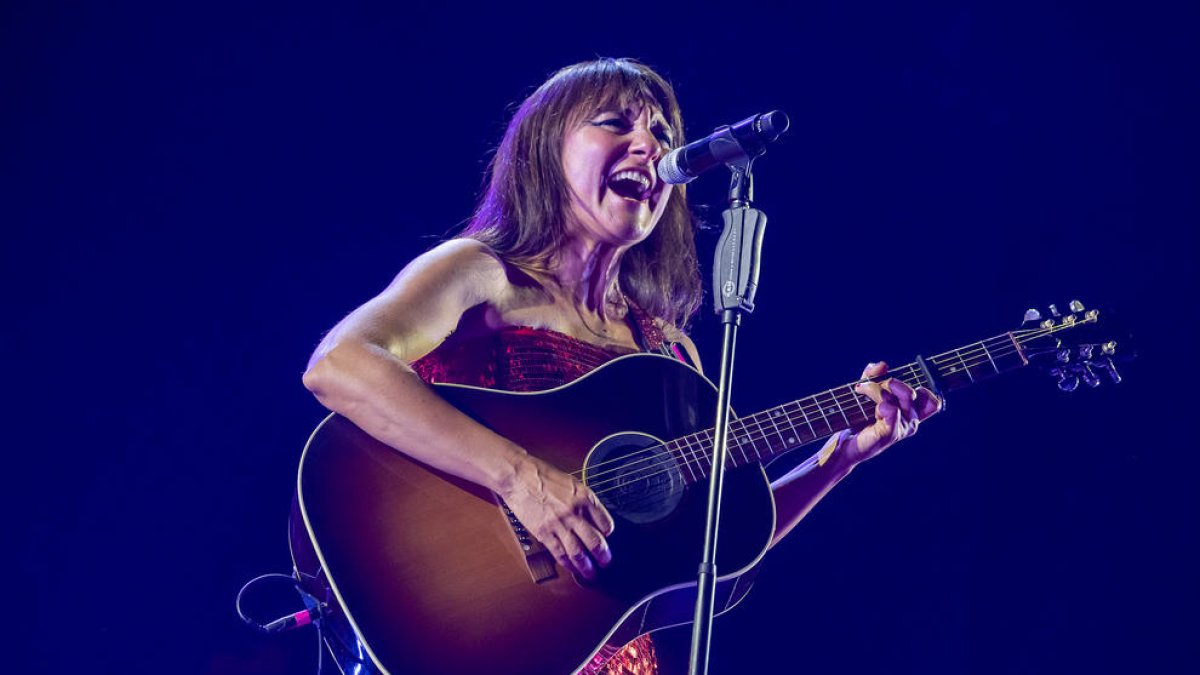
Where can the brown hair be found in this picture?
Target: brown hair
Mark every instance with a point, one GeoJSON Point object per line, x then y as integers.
{"type": "Point", "coordinates": [522, 213]}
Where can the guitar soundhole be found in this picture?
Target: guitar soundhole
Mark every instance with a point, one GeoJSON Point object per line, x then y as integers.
{"type": "Point", "coordinates": [635, 477]}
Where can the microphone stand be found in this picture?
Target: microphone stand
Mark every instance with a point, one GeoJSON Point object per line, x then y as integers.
{"type": "Point", "coordinates": [735, 281]}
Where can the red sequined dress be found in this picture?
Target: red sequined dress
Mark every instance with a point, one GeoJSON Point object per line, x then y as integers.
{"type": "Point", "coordinates": [534, 359]}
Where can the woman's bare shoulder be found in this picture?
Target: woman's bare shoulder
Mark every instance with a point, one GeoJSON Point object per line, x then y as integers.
{"type": "Point", "coordinates": [427, 299]}
{"type": "Point", "coordinates": [457, 259]}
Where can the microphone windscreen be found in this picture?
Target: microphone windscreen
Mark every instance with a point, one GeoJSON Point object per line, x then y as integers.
{"type": "Point", "coordinates": [669, 170]}
{"type": "Point", "coordinates": [773, 124]}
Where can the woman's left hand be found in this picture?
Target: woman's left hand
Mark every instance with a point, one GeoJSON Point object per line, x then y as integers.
{"type": "Point", "coordinates": [899, 410]}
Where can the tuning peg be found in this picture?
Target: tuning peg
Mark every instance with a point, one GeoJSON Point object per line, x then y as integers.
{"type": "Point", "coordinates": [1109, 348]}
{"type": "Point", "coordinates": [1076, 306]}
{"type": "Point", "coordinates": [1032, 315]}
{"type": "Point", "coordinates": [1064, 356]}
{"type": "Point", "coordinates": [1111, 368]}
{"type": "Point", "coordinates": [1066, 381]}
{"type": "Point", "coordinates": [1086, 352]}
{"type": "Point", "coordinates": [1089, 376]}
{"type": "Point", "coordinates": [1054, 311]}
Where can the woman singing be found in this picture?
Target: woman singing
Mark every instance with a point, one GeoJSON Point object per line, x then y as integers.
{"type": "Point", "coordinates": [577, 254]}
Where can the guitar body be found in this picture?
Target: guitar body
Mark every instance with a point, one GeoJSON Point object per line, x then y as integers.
{"type": "Point", "coordinates": [434, 577]}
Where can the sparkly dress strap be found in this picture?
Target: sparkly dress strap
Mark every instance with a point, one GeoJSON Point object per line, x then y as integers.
{"type": "Point", "coordinates": [647, 332]}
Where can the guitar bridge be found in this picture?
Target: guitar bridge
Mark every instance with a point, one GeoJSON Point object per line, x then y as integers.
{"type": "Point", "coordinates": [537, 558]}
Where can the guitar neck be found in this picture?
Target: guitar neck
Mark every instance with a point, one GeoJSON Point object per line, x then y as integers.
{"type": "Point", "coordinates": [765, 435]}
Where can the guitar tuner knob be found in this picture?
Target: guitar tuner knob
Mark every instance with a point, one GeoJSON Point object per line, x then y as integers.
{"type": "Point", "coordinates": [1109, 348]}
{"type": "Point", "coordinates": [1076, 306]}
{"type": "Point", "coordinates": [1048, 323]}
{"type": "Point", "coordinates": [1067, 383]}
{"type": "Point", "coordinates": [1111, 368]}
{"type": "Point", "coordinates": [1069, 320]}
{"type": "Point", "coordinates": [1032, 315]}
{"type": "Point", "coordinates": [1054, 311]}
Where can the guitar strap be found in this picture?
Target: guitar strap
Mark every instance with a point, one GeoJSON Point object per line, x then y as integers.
{"type": "Point", "coordinates": [650, 337]}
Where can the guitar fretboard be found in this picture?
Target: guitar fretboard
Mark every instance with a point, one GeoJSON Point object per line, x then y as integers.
{"type": "Point", "coordinates": [760, 437]}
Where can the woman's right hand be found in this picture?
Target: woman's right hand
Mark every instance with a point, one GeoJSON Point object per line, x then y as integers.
{"type": "Point", "coordinates": [563, 514]}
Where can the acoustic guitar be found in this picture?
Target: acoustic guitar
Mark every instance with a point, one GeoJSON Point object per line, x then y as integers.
{"type": "Point", "coordinates": [435, 576]}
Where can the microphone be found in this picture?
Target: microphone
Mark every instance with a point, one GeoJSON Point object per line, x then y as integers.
{"type": "Point", "coordinates": [728, 144]}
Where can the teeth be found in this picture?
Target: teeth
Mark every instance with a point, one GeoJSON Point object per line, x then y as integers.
{"type": "Point", "coordinates": [635, 176]}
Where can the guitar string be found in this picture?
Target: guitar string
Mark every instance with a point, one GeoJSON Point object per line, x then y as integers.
{"type": "Point", "coordinates": [749, 428]}
{"type": "Point", "coordinates": [703, 451]}
{"type": "Point", "coordinates": [700, 457]}
{"type": "Point", "coordinates": [1005, 339]}
{"type": "Point", "coordinates": [694, 457]}
{"type": "Point", "coordinates": [749, 431]}
{"type": "Point", "coordinates": [809, 405]}
{"type": "Point", "coordinates": [697, 453]}
{"type": "Point", "coordinates": [695, 449]}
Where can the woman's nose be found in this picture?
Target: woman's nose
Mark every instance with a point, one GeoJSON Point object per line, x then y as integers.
{"type": "Point", "coordinates": [644, 142]}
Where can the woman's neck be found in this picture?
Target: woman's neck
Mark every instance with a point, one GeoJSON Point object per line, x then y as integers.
{"type": "Point", "coordinates": [588, 272]}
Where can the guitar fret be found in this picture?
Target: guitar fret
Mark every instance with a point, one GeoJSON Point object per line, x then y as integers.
{"type": "Point", "coordinates": [965, 367]}
{"type": "Point", "coordinates": [858, 400]}
{"type": "Point", "coordinates": [734, 445]}
{"type": "Point", "coordinates": [821, 410]}
{"type": "Point", "coordinates": [728, 450]}
{"type": "Point", "coordinates": [1017, 346]}
{"type": "Point", "coordinates": [763, 430]}
{"type": "Point", "coordinates": [687, 462]}
{"type": "Point", "coordinates": [776, 412]}
{"type": "Point", "coordinates": [989, 356]}
{"type": "Point", "coordinates": [794, 437]}
{"type": "Point", "coordinates": [735, 442]}
{"type": "Point", "coordinates": [811, 430]}
{"type": "Point", "coordinates": [706, 452]}
{"type": "Point", "coordinates": [840, 408]}
{"type": "Point", "coordinates": [697, 458]}
{"type": "Point", "coordinates": [679, 470]}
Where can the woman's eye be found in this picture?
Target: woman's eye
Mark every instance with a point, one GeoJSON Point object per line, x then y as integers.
{"type": "Point", "coordinates": [615, 122]}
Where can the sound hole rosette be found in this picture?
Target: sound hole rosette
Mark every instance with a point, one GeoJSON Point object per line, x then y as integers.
{"type": "Point", "coordinates": [635, 476]}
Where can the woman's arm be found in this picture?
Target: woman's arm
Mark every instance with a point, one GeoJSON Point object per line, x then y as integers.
{"type": "Point", "coordinates": [361, 371]}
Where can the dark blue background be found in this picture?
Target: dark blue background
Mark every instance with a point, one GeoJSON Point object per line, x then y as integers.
{"type": "Point", "coordinates": [192, 193]}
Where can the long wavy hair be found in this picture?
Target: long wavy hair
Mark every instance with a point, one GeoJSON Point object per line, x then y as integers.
{"type": "Point", "coordinates": [522, 213]}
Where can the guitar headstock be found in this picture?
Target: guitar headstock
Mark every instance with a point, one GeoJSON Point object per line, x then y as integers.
{"type": "Point", "coordinates": [1068, 347]}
